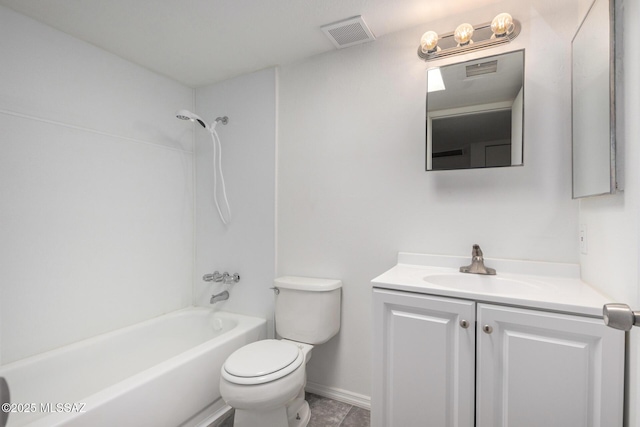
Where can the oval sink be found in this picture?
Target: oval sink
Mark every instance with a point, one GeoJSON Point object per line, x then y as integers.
{"type": "Point", "coordinates": [482, 283]}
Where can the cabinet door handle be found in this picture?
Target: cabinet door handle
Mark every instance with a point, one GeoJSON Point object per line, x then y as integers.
{"type": "Point", "coordinates": [487, 329]}
{"type": "Point", "coordinates": [464, 324]}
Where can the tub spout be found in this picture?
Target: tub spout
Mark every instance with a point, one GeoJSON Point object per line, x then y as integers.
{"type": "Point", "coordinates": [219, 297]}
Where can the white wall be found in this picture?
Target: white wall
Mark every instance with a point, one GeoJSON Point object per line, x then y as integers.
{"type": "Point", "coordinates": [247, 246]}
{"type": "Point", "coordinates": [353, 190]}
{"type": "Point", "coordinates": [96, 191]}
{"type": "Point", "coordinates": [611, 263]}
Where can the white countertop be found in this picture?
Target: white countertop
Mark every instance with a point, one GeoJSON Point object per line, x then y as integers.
{"type": "Point", "coordinates": [540, 285]}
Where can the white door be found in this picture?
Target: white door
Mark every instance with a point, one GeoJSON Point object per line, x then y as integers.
{"type": "Point", "coordinates": [423, 360]}
{"type": "Point", "coordinates": [546, 369]}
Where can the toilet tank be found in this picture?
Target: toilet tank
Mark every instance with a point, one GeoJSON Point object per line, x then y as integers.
{"type": "Point", "coordinates": [307, 309]}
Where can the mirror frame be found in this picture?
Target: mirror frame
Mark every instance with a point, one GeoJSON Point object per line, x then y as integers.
{"type": "Point", "coordinates": [614, 143]}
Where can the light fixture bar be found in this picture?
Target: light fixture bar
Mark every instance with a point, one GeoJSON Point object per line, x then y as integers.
{"type": "Point", "coordinates": [483, 38]}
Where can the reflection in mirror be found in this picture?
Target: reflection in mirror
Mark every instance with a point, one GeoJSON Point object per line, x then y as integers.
{"type": "Point", "coordinates": [593, 104]}
{"type": "Point", "coordinates": [475, 113]}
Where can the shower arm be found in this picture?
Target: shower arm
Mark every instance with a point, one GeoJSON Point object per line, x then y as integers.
{"type": "Point", "coordinates": [224, 120]}
{"type": "Point", "coordinates": [188, 115]}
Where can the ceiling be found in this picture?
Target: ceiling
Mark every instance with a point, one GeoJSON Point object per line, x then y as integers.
{"type": "Point", "coordinates": [200, 42]}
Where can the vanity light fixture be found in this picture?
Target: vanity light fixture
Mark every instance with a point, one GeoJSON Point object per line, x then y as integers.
{"type": "Point", "coordinates": [467, 38]}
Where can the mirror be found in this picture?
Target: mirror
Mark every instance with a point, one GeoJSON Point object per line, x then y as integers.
{"type": "Point", "coordinates": [593, 103]}
{"type": "Point", "coordinates": [475, 113]}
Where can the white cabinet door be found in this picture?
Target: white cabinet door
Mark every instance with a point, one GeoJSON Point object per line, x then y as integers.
{"type": "Point", "coordinates": [423, 361]}
{"type": "Point", "coordinates": [544, 369]}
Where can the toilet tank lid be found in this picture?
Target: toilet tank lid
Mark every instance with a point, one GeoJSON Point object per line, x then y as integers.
{"type": "Point", "coordinates": [307, 283]}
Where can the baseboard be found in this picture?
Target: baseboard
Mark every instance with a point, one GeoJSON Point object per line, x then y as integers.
{"type": "Point", "coordinates": [340, 395]}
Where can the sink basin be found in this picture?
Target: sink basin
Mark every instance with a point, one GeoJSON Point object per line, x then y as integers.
{"type": "Point", "coordinates": [482, 283]}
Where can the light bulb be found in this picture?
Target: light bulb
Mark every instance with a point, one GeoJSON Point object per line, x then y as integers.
{"type": "Point", "coordinates": [429, 42]}
{"type": "Point", "coordinates": [502, 25]}
{"type": "Point", "coordinates": [463, 34]}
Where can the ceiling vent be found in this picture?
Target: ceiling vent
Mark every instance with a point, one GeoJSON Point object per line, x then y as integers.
{"type": "Point", "coordinates": [483, 68]}
{"type": "Point", "coordinates": [349, 32]}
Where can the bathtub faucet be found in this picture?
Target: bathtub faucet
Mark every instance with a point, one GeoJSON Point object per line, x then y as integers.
{"type": "Point", "coordinates": [218, 277]}
{"type": "Point", "coordinates": [213, 277]}
{"type": "Point", "coordinates": [222, 296]}
{"type": "Point", "coordinates": [230, 278]}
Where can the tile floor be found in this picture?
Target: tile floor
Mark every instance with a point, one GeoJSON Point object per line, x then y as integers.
{"type": "Point", "coordinates": [326, 412]}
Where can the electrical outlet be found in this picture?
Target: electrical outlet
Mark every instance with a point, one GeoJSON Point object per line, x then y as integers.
{"type": "Point", "coordinates": [583, 239]}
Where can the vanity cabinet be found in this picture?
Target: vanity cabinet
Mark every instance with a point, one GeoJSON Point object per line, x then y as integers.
{"type": "Point", "coordinates": [537, 368]}
{"type": "Point", "coordinates": [423, 360]}
{"type": "Point", "coordinates": [441, 361]}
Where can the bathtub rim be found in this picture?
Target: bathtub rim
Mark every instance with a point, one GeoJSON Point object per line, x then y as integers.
{"type": "Point", "coordinates": [105, 335]}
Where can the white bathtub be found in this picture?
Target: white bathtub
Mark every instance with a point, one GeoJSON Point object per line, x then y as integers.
{"type": "Point", "coordinates": [161, 372]}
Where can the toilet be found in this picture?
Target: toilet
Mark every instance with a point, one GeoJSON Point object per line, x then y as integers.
{"type": "Point", "coordinates": [264, 381]}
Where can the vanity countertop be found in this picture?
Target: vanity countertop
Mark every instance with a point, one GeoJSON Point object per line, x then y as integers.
{"type": "Point", "coordinates": [531, 284]}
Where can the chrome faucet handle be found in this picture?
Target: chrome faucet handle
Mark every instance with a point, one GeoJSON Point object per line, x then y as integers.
{"type": "Point", "coordinates": [230, 279]}
{"type": "Point", "coordinates": [218, 277]}
{"type": "Point", "coordinates": [214, 277]}
{"type": "Point", "coordinates": [476, 252]}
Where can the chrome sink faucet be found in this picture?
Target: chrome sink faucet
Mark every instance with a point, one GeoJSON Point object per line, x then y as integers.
{"type": "Point", "coordinates": [477, 263]}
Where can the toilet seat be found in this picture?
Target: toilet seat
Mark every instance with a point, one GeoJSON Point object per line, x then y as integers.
{"type": "Point", "coordinates": [261, 362]}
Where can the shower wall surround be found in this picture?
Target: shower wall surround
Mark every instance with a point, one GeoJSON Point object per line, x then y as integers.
{"type": "Point", "coordinates": [96, 193]}
{"type": "Point", "coordinates": [247, 245]}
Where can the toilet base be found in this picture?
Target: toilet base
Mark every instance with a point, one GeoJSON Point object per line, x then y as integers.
{"type": "Point", "coordinates": [276, 417]}
{"type": "Point", "coordinates": [296, 414]}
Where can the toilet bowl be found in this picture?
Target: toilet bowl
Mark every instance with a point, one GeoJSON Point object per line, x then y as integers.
{"type": "Point", "coordinates": [264, 381]}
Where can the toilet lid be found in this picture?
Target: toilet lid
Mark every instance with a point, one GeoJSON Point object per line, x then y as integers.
{"type": "Point", "coordinates": [262, 361]}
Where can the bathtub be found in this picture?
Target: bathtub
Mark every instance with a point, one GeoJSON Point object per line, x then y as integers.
{"type": "Point", "coordinates": [161, 372]}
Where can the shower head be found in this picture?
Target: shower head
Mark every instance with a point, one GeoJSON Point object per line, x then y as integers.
{"type": "Point", "coordinates": [188, 115]}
